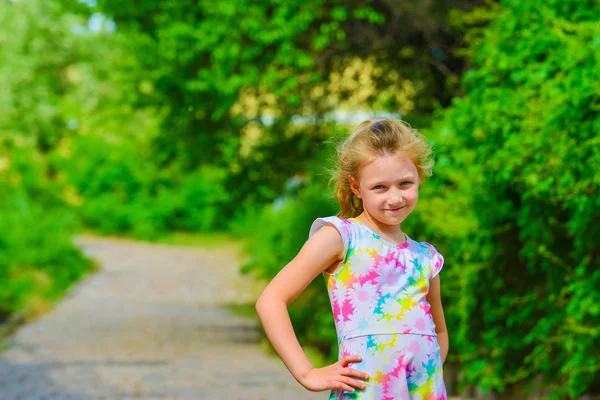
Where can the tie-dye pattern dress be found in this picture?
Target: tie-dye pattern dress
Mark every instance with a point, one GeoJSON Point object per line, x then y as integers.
{"type": "Point", "coordinates": [381, 314]}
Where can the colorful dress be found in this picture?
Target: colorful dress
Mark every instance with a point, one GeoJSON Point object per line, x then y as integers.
{"type": "Point", "coordinates": [381, 314]}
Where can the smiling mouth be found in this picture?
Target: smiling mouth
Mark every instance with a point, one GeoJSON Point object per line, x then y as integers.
{"type": "Point", "coordinates": [395, 209]}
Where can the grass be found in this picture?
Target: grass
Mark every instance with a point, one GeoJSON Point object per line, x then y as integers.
{"type": "Point", "coordinates": [204, 240]}
{"type": "Point", "coordinates": [180, 238]}
{"type": "Point", "coordinates": [243, 310]}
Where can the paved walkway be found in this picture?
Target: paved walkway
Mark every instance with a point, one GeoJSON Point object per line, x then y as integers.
{"type": "Point", "coordinates": [152, 324]}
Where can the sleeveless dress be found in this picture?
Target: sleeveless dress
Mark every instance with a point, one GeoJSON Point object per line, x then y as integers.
{"type": "Point", "coordinates": [381, 314]}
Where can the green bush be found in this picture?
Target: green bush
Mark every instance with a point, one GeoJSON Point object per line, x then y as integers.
{"type": "Point", "coordinates": [123, 192]}
{"type": "Point", "coordinates": [38, 260]}
{"type": "Point", "coordinates": [525, 136]}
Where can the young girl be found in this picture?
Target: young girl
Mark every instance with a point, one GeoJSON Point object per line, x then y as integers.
{"type": "Point", "coordinates": [383, 286]}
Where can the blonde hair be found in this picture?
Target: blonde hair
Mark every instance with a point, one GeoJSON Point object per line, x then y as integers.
{"type": "Point", "coordinates": [372, 138]}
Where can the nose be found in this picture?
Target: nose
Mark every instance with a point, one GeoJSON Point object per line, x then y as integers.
{"type": "Point", "coordinates": [396, 198]}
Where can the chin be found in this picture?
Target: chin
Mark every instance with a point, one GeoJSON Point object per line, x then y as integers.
{"type": "Point", "coordinates": [392, 220]}
{"type": "Point", "coordinates": [396, 219]}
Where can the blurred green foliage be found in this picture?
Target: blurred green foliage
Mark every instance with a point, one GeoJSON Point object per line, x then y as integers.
{"type": "Point", "coordinates": [38, 261]}
{"type": "Point", "coordinates": [233, 78]}
{"type": "Point", "coordinates": [526, 137]}
{"type": "Point", "coordinates": [196, 117]}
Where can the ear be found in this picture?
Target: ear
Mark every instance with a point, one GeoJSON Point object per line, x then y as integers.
{"type": "Point", "coordinates": [354, 186]}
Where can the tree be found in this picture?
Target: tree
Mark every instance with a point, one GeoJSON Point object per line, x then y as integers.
{"type": "Point", "coordinates": [204, 58]}
{"type": "Point", "coordinates": [37, 47]}
{"type": "Point", "coordinates": [526, 135]}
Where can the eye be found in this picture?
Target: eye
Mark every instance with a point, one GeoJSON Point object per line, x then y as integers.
{"type": "Point", "coordinates": [378, 187]}
{"type": "Point", "coordinates": [405, 183]}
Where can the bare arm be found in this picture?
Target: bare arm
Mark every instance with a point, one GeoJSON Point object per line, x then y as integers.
{"type": "Point", "coordinates": [437, 312]}
{"type": "Point", "coordinates": [322, 250]}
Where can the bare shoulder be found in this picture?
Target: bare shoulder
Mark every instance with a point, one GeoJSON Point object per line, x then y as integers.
{"type": "Point", "coordinates": [323, 249]}
{"type": "Point", "coordinates": [328, 234]}
{"type": "Point", "coordinates": [326, 242]}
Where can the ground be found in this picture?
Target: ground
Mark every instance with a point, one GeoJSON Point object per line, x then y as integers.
{"type": "Point", "coordinates": [155, 322]}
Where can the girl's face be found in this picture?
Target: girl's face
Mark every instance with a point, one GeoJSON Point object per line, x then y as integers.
{"type": "Point", "coordinates": [388, 187]}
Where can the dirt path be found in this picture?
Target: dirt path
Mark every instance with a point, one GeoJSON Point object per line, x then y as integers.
{"type": "Point", "coordinates": [152, 324]}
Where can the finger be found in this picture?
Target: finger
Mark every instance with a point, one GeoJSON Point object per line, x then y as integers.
{"type": "Point", "coordinates": [342, 386]}
{"type": "Point", "coordinates": [352, 382]}
{"type": "Point", "coordinates": [354, 372]}
{"type": "Point", "coordinates": [350, 359]}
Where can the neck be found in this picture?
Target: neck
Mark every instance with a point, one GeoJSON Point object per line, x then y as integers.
{"type": "Point", "coordinates": [393, 232]}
